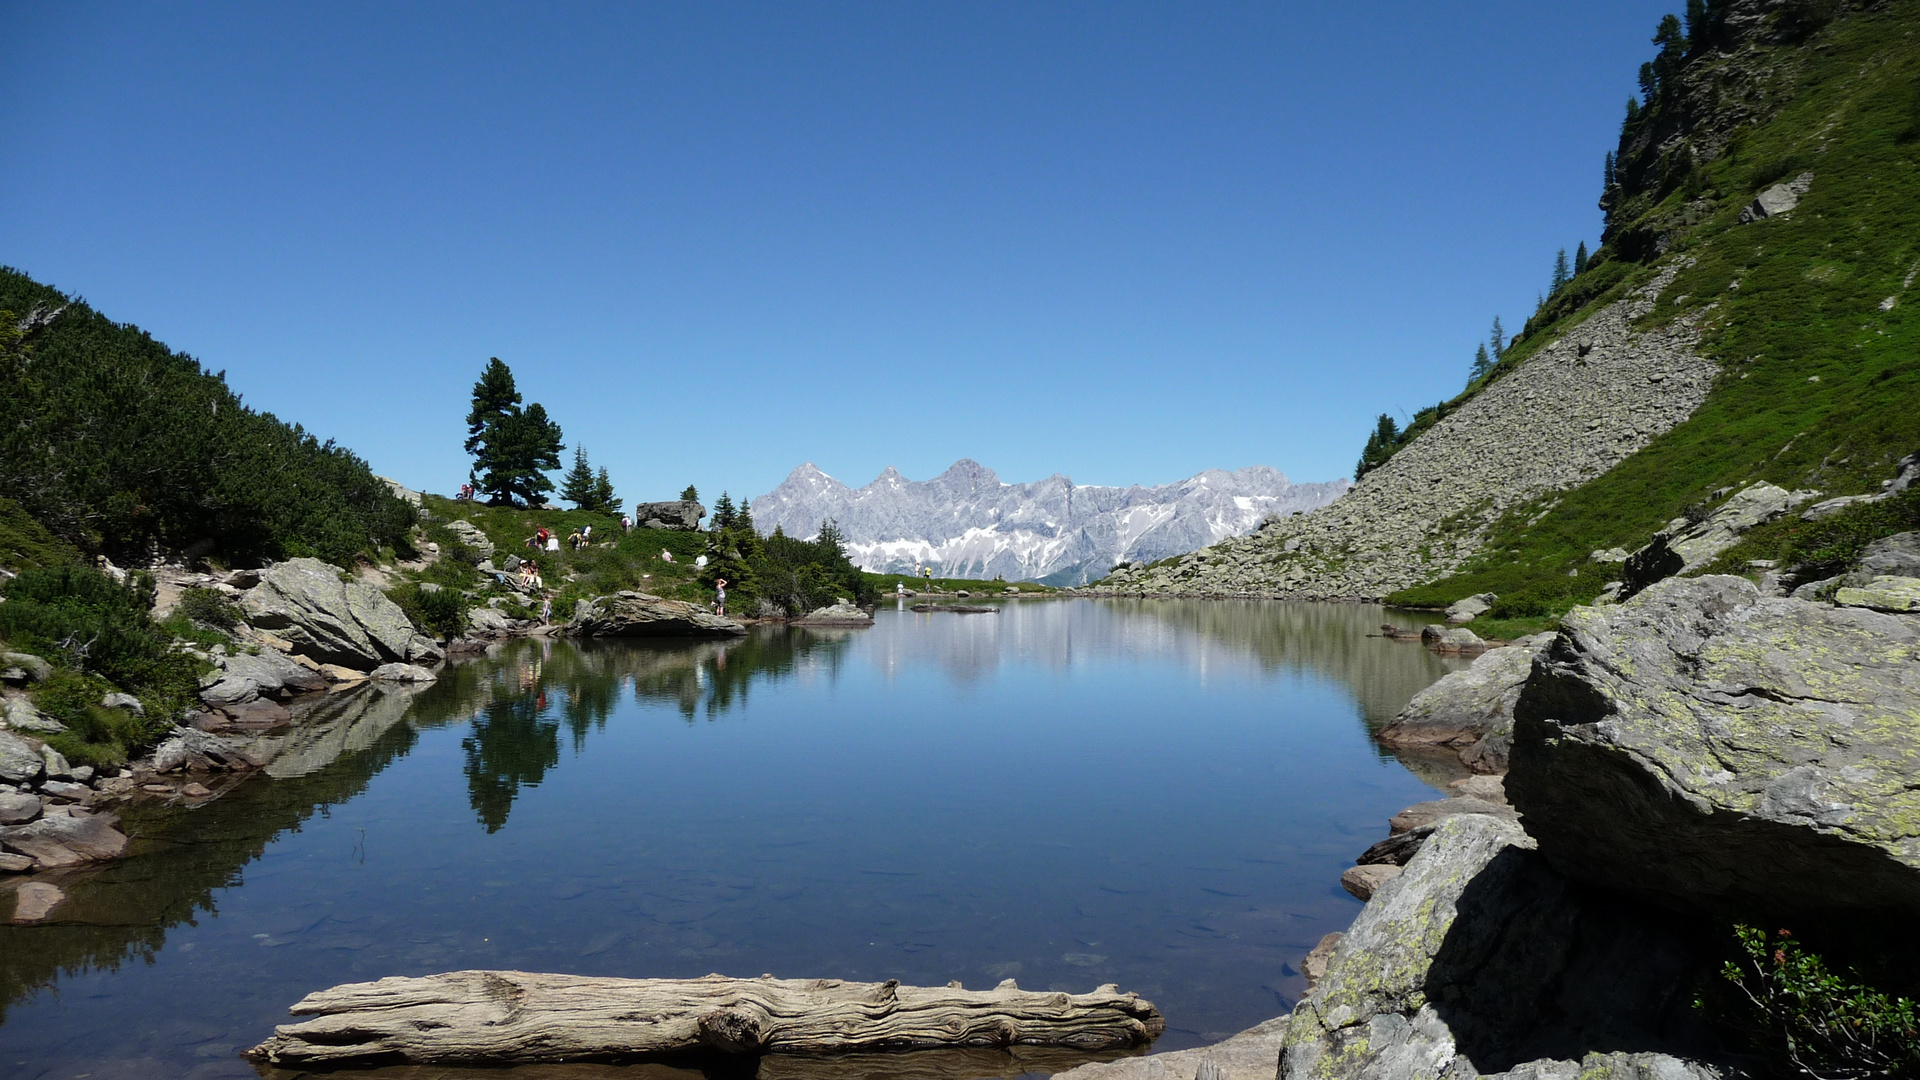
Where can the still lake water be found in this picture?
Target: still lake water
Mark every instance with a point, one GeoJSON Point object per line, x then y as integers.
{"type": "Point", "coordinates": [1159, 794]}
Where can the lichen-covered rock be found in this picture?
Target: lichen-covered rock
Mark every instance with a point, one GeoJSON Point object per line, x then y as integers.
{"type": "Point", "coordinates": [1896, 556]}
{"type": "Point", "coordinates": [638, 614]}
{"type": "Point", "coordinates": [470, 535]}
{"type": "Point", "coordinates": [844, 613]}
{"type": "Point", "coordinates": [332, 621]}
{"type": "Point", "coordinates": [1884, 593]}
{"type": "Point", "coordinates": [20, 715]}
{"type": "Point", "coordinates": [19, 759]}
{"type": "Point", "coordinates": [1712, 747]}
{"type": "Point", "coordinates": [410, 673]}
{"type": "Point", "coordinates": [1246, 1056]}
{"type": "Point", "coordinates": [1478, 958]}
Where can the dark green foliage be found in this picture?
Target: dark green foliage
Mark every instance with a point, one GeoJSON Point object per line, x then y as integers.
{"type": "Point", "coordinates": [1497, 339]}
{"type": "Point", "coordinates": [439, 612]}
{"type": "Point", "coordinates": [802, 575]}
{"type": "Point", "coordinates": [209, 607]}
{"type": "Point", "coordinates": [1819, 549]}
{"type": "Point", "coordinates": [691, 494]}
{"type": "Point", "coordinates": [86, 622]}
{"type": "Point", "coordinates": [1562, 272]}
{"type": "Point", "coordinates": [111, 440]}
{"type": "Point", "coordinates": [1607, 179]}
{"type": "Point", "coordinates": [577, 488]}
{"type": "Point", "coordinates": [723, 513]}
{"type": "Point", "coordinates": [512, 448]}
{"type": "Point", "coordinates": [95, 735]}
{"type": "Point", "coordinates": [604, 500]}
{"type": "Point", "coordinates": [1672, 40]}
{"type": "Point", "coordinates": [1580, 260]}
{"type": "Point", "coordinates": [1386, 438]}
{"type": "Point", "coordinates": [1807, 1020]}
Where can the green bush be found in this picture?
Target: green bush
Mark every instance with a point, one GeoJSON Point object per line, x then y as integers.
{"type": "Point", "coordinates": [209, 607]}
{"type": "Point", "coordinates": [88, 622]}
{"type": "Point", "coordinates": [441, 612]}
{"type": "Point", "coordinates": [1809, 1021]}
{"type": "Point", "coordinates": [95, 735]}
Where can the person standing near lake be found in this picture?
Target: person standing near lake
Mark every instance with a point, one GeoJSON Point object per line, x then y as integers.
{"type": "Point", "coordinates": [720, 596]}
{"type": "Point", "coordinates": [546, 610]}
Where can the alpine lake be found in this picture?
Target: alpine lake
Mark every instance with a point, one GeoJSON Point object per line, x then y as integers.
{"type": "Point", "coordinates": [1158, 794]}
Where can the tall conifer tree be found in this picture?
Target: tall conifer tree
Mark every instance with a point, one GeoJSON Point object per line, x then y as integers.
{"type": "Point", "coordinates": [577, 488]}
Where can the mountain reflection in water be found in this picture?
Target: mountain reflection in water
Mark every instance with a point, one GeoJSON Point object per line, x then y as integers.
{"type": "Point", "coordinates": [1203, 770]}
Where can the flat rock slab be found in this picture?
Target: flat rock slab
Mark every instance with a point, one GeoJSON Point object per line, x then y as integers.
{"type": "Point", "coordinates": [65, 841]}
{"type": "Point", "coordinates": [638, 614]}
{"type": "Point", "coordinates": [18, 808]}
{"type": "Point", "coordinates": [19, 759]}
{"type": "Point", "coordinates": [1705, 746]}
{"type": "Point", "coordinates": [1427, 813]}
{"type": "Point", "coordinates": [512, 1017]}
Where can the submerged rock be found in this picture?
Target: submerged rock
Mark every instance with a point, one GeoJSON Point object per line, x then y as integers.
{"type": "Point", "coordinates": [1706, 746]}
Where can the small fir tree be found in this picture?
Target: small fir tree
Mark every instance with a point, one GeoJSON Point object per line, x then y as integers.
{"type": "Point", "coordinates": [1562, 272]}
{"type": "Point", "coordinates": [1673, 48]}
{"type": "Point", "coordinates": [723, 513]}
{"type": "Point", "coordinates": [1608, 177]}
{"type": "Point", "coordinates": [1497, 339]}
{"type": "Point", "coordinates": [1380, 446]}
{"type": "Point", "coordinates": [577, 488]}
{"type": "Point", "coordinates": [1580, 259]}
{"type": "Point", "coordinates": [604, 500]}
{"type": "Point", "coordinates": [1649, 87]}
{"type": "Point", "coordinates": [692, 494]}
{"type": "Point", "coordinates": [1482, 363]}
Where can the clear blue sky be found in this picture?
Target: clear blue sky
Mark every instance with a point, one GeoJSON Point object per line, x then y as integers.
{"type": "Point", "coordinates": [1125, 242]}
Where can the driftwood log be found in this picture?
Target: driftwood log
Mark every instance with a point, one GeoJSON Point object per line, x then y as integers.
{"type": "Point", "coordinates": [513, 1017]}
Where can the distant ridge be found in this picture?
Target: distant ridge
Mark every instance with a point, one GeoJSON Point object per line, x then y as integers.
{"type": "Point", "coordinates": [967, 523]}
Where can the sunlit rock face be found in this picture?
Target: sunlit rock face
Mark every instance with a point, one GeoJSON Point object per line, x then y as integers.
{"type": "Point", "coordinates": [966, 523]}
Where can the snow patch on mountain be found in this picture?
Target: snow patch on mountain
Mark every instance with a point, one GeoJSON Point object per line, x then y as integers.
{"type": "Point", "coordinates": [966, 523]}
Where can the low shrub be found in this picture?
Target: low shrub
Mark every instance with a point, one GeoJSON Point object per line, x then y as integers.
{"type": "Point", "coordinates": [93, 625]}
{"type": "Point", "coordinates": [1807, 1019]}
{"type": "Point", "coordinates": [441, 612]}
{"type": "Point", "coordinates": [209, 607]}
{"type": "Point", "coordinates": [95, 735]}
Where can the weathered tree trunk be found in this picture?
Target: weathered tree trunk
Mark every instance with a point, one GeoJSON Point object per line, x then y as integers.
{"type": "Point", "coordinates": [509, 1017]}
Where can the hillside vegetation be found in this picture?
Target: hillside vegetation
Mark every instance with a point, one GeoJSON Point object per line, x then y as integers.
{"type": "Point", "coordinates": [113, 443]}
{"type": "Point", "coordinates": [1808, 314]}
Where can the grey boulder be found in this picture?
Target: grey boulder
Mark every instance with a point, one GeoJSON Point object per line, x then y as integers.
{"type": "Point", "coordinates": [1777, 199]}
{"type": "Point", "coordinates": [412, 673]}
{"type": "Point", "coordinates": [638, 614]}
{"type": "Point", "coordinates": [20, 715]}
{"type": "Point", "coordinates": [65, 841]}
{"type": "Point", "coordinates": [1465, 611]}
{"type": "Point", "coordinates": [684, 515]}
{"type": "Point", "coordinates": [1884, 593]}
{"type": "Point", "coordinates": [31, 668]}
{"type": "Point", "coordinates": [19, 759]}
{"type": "Point", "coordinates": [469, 534]}
{"type": "Point", "coordinates": [18, 808]}
{"type": "Point", "coordinates": [1893, 556]}
{"type": "Point", "coordinates": [1708, 747]}
{"type": "Point", "coordinates": [350, 623]}
{"type": "Point", "coordinates": [241, 678]}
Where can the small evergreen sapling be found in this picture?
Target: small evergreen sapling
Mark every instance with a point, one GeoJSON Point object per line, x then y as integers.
{"type": "Point", "coordinates": [578, 486]}
{"type": "Point", "coordinates": [604, 499]}
{"type": "Point", "coordinates": [1580, 259]}
{"type": "Point", "coordinates": [1562, 272]}
{"type": "Point", "coordinates": [1482, 363]}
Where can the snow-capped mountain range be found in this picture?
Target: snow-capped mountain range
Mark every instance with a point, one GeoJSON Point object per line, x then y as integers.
{"type": "Point", "coordinates": [966, 523]}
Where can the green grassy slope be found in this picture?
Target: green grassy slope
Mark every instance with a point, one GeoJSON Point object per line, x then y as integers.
{"type": "Point", "coordinates": [1820, 385]}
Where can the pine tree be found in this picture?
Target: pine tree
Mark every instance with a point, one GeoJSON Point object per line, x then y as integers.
{"type": "Point", "coordinates": [1380, 446]}
{"type": "Point", "coordinates": [511, 448]}
{"type": "Point", "coordinates": [692, 494]}
{"type": "Point", "coordinates": [1497, 340]}
{"type": "Point", "coordinates": [1609, 175]}
{"type": "Point", "coordinates": [494, 397]}
{"type": "Point", "coordinates": [1633, 115]}
{"type": "Point", "coordinates": [604, 499]}
{"type": "Point", "coordinates": [1699, 24]}
{"type": "Point", "coordinates": [1482, 363]}
{"type": "Point", "coordinates": [723, 513]}
{"type": "Point", "coordinates": [1673, 47]}
{"type": "Point", "coordinates": [1649, 87]}
{"type": "Point", "coordinates": [831, 541]}
{"type": "Point", "coordinates": [578, 486]}
{"type": "Point", "coordinates": [1580, 260]}
{"type": "Point", "coordinates": [1562, 272]}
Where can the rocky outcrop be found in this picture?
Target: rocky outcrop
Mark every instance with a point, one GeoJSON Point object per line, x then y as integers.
{"type": "Point", "coordinates": [1709, 747]}
{"type": "Point", "coordinates": [1898, 595]}
{"type": "Point", "coordinates": [1778, 199]}
{"type": "Point", "coordinates": [1571, 412]}
{"type": "Point", "coordinates": [1472, 710]}
{"type": "Point", "coordinates": [470, 535]}
{"type": "Point", "coordinates": [638, 614]}
{"type": "Point", "coordinates": [55, 842]}
{"type": "Point", "coordinates": [684, 515]}
{"type": "Point", "coordinates": [1465, 611]}
{"type": "Point", "coordinates": [1478, 959]}
{"type": "Point", "coordinates": [1688, 545]}
{"type": "Point", "coordinates": [332, 621]}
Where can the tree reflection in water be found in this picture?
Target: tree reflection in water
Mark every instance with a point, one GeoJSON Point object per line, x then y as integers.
{"type": "Point", "coordinates": [516, 732]}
